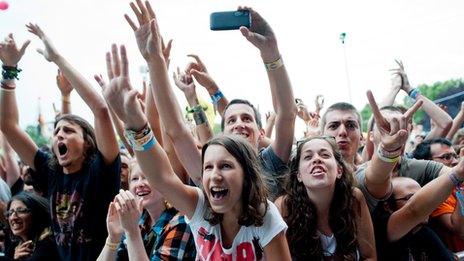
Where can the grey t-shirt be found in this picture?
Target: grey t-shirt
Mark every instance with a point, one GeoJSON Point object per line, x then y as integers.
{"type": "Point", "coordinates": [423, 171]}
{"type": "Point", "coordinates": [274, 169]}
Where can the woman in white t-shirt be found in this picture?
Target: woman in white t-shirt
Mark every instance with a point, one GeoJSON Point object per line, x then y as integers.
{"type": "Point", "coordinates": [327, 217]}
{"type": "Point", "coordinates": [231, 218]}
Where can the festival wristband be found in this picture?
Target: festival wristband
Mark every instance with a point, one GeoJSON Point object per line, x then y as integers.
{"type": "Point", "coordinates": [414, 93]}
{"type": "Point", "coordinates": [111, 245]}
{"type": "Point", "coordinates": [460, 198]}
{"type": "Point", "coordinates": [142, 140]}
{"type": "Point", "coordinates": [215, 98]}
{"type": "Point", "coordinates": [385, 156]}
{"type": "Point", "coordinates": [199, 115]}
{"type": "Point", "coordinates": [272, 66]}
{"type": "Point", "coordinates": [456, 181]}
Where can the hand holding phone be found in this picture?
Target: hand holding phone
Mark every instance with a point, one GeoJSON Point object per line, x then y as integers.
{"type": "Point", "coordinates": [232, 20]}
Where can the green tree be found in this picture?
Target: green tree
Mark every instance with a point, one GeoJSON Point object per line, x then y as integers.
{"type": "Point", "coordinates": [366, 113]}
{"type": "Point", "coordinates": [38, 139]}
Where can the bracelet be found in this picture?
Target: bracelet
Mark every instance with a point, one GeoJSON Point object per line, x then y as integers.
{"type": "Point", "coordinates": [215, 98]}
{"type": "Point", "coordinates": [66, 99]}
{"type": "Point", "coordinates": [414, 93]}
{"type": "Point", "coordinates": [387, 158]}
{"type": "Point", "coordinates": [455, 179]}
{"type": "Point", "coordinates": [389, 154]}
{"type": "Point", "coordinates": [111, 245]}
{"type": "Point", "coordinates": [142, 140]}
{"type": "Point", "coordinates": [274, 65]}
{"type": "Point", "coordinates": [10, 72]}
{"type": "Point", "coordinates": [199, 115]}
{"type": "Point", "coordinates": [8, 87]}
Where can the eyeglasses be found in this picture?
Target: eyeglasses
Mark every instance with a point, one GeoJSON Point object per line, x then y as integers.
{"type": "Point", "coordinates": [447, 156]}
{"type": "Point", "coordinates": [406, 198]}
{"type": "Point", "coordinates": [18, 211]}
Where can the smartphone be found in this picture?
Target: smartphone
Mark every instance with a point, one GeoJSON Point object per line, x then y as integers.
{"type": "Point", "coordinates": [230, 20]}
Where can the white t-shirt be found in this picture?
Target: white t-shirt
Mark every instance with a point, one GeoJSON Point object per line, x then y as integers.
{"type": "Point", "coordinates": [249, 242]}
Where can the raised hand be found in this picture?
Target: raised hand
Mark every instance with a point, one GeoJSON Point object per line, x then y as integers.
{"type": "Point", "coordinates": [303, 112]}
{"type": "Point", "coordinates": [261, 35]}
{"type": "Point", "coordinates": [394, 132]}
{"type": "Point", "coordinates": [113, 225]}
{"type": "Point", "coordinates": [319, 102]}
{"type": "Point", "coordinates": [23, 250]}
{"type": "Point", "coordinates": [270, 117]}
{"type": "Point", "coordinates": [400, 72]}
{"type": "Point", "coordinates": [63, 84]}
{"type": "Point", "coordinates": [184, 82]}
{"type": "Point", "coordinates": [147, 33]}
{"type": "Point", "coordinates": [119, 93]}
{"type": "Point", "coordinates": [198, 70]}
{"type": "Point", "coordinates": [10, 55]}
{"type": "Point", "coordinates": [50, 53]}
{"type": "Point", "coordinates": [129, 210]}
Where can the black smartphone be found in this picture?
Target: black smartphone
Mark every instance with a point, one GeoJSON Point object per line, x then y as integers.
{"type": "Point", "coordinates": [230, 20]}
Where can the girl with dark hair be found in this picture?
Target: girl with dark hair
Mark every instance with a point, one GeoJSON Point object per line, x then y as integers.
{"type": "Point", "coordinates": [327, 217]}
{"type": "Point", "coordinates": [230, 217]}
{"type": "Point", "coordinates": [29, 228]}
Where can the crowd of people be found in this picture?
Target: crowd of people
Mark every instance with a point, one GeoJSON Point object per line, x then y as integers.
{"type": "Point", "coordinates": [144, 183]}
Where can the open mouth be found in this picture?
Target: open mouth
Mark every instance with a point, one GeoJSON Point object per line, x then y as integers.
{"type": "Point", "coordinates": [15, 225]}
{"type": "Point", "coordinates": [242, 134]}
{"type": "Point", "coordinates": [62, 149]}
{"type": "Point", "coordinates": [218, 193]}
{"type": "Point", "coordinates": [142, 193]}
{"type": "Point", "coordinates": [317, 170]}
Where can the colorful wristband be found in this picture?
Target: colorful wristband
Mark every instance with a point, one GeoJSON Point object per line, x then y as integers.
{"type": "Point", "coordinates": [215, 98]}
{"type": "Point", "coordinates": [414, 93]}
{"type": "Point", "coordinates": [457, 183]}
{"type": "Point", "coordinates": [460, 200]}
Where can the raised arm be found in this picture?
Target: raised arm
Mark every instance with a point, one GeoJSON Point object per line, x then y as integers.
{"type": "Point", "coordinates": [104, 132]}
{"type": "Point", "coordinates": [393, 136]}
{"type": "Point", "coordinates": [150, 46]}
{"type": "Point", "coordinates": [10, 55]}
{"type": "Point", "coordinates": [198, 70]}
{"type": "Point", "coordinates": [457, 123]}
{"type": "Point", "coordinates": [185, 83]}
{"type": "Point", "coordinates": [150, 155]}
{"type": "Point", "coordinates": [262, 37]}
{"type": "Point", "coordinates": [424, 201]}
{"type": "Point", "coordinates": [443, 121]}
{"type": "Point", "coordinates": [65, 90]}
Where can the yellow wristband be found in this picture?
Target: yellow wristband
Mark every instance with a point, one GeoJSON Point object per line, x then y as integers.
{"type": "Point", "coordinates": [274, 65]}
{"type": "Point", "coordinates": [110, 245]}
{"type": "Point", "coordinates": [65, 99]}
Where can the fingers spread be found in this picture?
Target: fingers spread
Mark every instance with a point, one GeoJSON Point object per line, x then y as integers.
{"type": "Point", "coordinates": [124, 62]}
{"type": "Point", "coordinates": [130, 22]}
{"type": "Point", "coordinates": [410, 112]}
{"type": "Point", "coordinates": [109, 66]}
{"type": "Point", "coordinates": [115, 60]}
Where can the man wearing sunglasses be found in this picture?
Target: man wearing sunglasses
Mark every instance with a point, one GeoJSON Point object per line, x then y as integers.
{"type": "Point", "coordinates": [447, 219]}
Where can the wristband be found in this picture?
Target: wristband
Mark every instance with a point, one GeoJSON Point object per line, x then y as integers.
{"type": "Point", "coordinates": [272, 66]}
{"type": "Point", "coordinates": [199, 115]}
{"type": "Point", "coordinates": [7, 87]}
{"type": "Point", "coordinates": [10, 72]}
{"type": "Point", "coordinates": [215, 98]}
{"type": "Point", "coordinates": [460, 199]}
{"type": "Point", "coordinates": [141, 140]}
{"type": "Point", "coordinates": [389, 154]}
{"type": "Point", "coordinates": [383, 156]}
{"type": "Point", "coordinates": [66, 99]}
{"type": "Point", "coordinates": [111, 245]}
{"type": "Point", "coordinates": [414, 93]}
{"type": "Point", "coordinates": [455, 180]}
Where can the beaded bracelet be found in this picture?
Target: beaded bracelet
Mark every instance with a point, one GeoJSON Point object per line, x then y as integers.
{"type": "Point", "coordinates": [10, 72]}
